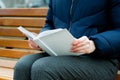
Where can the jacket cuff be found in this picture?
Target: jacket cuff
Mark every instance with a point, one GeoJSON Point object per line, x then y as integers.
{"type": "Point", "coordinates": [103, 48]}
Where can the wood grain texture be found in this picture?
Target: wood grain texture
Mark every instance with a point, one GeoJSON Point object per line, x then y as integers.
{"type": "Point", "coordinates": [34, 12]}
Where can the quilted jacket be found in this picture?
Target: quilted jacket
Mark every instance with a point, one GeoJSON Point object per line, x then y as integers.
{"type": "Point", "coordinates": [97, 19]}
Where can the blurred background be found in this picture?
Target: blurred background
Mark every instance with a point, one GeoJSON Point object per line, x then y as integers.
{"type": "Point", "coordinates": [23, 3]}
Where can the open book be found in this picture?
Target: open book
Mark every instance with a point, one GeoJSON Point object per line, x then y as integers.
{"type": "Point", "coordinates": [55, 42]}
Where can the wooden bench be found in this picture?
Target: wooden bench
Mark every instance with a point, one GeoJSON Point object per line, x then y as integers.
{"type": "Point", "coordinates": [13, 43]}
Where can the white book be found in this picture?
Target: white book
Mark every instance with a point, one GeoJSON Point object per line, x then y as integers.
{"type": "Point", "coordinates": [55, 42]}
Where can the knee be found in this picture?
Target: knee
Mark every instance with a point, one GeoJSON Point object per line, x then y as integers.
{"type": "Point", "coordinates": [47, 63]}
{"type": "Point", "coordinates": [44, 67]}
{"type": "Point", "coordinates": [20, 65]}
{"type": "Point", "coordinates": [41, 65]}
{"type": "Point", "coordinates": [24, 63]}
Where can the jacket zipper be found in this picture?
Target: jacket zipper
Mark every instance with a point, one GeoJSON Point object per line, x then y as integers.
{"type": "Point", "coordinates": [71, 15]}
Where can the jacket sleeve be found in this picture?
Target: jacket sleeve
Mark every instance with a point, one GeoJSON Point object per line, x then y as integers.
{"type": "Point", "coordinates": [108, 43]}
{"type": "Point", "coordinates": [49, 19]}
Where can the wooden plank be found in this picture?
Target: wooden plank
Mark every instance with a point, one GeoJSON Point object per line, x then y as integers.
{"type": "Point", "coordinates": [23, 12]}
{"type": "Point", "coordinates": [13, 53]}
{"type": "Point", "coordinates": [36, 22]}
{"type": "Point", "coordinates": [14, 43]}
{"type": "Point", "coordinates": [6, 74]}
{"type": "Point", "coordinates": [14, 32]}
{"type": "Point", "coordinates": [7, 63]}
{"type": "Point", "coordinates": [118, 77]}
{"type": "Point", "coordinates": [5, 78]}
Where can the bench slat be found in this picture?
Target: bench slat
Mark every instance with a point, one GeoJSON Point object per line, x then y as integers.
{"type": "Point", "coordinates": [118, 77]}
{"type": "Point", "coordinates": [36, 12]}
{"type": "Point", "coordinates": [36, 22]}
{"type": "Point", "coordinates": [15, 32]}
{"type": "Point", "coordinates": [7, 63]}
{"type": "Point", "coordinates": [6, 74]}
{"type": "Point", "coordinates": [13, 43]}
{"type": "Point", "coordinates": [12, 53]}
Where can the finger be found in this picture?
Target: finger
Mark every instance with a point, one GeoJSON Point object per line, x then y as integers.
{"type": "Point", "coordinates": [85, 48]}
{"type": "Point", "coordinates": [83, 41]}
{"type": "Point", "coordinates": [33, 45]}
{"type": "Point", "coordinates": [84, 51]}
{"type": "Point", "coordinates": [75, 42]}
{"type": "Point", "coordinates": [84, 38]}
{"type": "Point", "coordinates": [79, 45]}
{"type": "Point", "coordinates": [80, 40]}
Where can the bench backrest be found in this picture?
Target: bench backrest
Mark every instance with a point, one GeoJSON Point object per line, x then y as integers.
{"type": "Point", "coordinates": [13, 43]}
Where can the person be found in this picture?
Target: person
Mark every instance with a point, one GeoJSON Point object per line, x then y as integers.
{"type": "Point", "coordinates": [96, 26]}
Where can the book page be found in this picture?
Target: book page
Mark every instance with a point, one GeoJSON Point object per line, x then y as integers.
{"type": "Point", "coordinates": [48, 32]}
{"type": "Point", "coordinates": [27, 33]}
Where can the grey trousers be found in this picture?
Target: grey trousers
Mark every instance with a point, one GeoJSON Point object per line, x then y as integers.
{"type": "Point", "coordinates": [45, 67]}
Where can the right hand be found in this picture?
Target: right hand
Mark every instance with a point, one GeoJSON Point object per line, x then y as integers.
{"type": "Point", "coordinates": [32, 44]}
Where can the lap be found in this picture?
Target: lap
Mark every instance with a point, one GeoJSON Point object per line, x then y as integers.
{"type": "Point", "coordinates": [66, 67]}
{"type": "Point", "coordinates": [76, 67]}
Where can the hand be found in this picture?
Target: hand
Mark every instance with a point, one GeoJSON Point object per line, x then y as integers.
{"type": "Point", "coordinates": [83, 45]}
{"type": "Point", "coordinates": [32, 44]}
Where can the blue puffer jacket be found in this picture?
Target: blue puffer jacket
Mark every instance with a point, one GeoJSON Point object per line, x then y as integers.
{"type": "Point", "coordinates": [97, 19]}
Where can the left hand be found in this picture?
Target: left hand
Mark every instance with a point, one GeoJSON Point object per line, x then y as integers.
{"type": "Point", "coordinates": [83, 45]}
